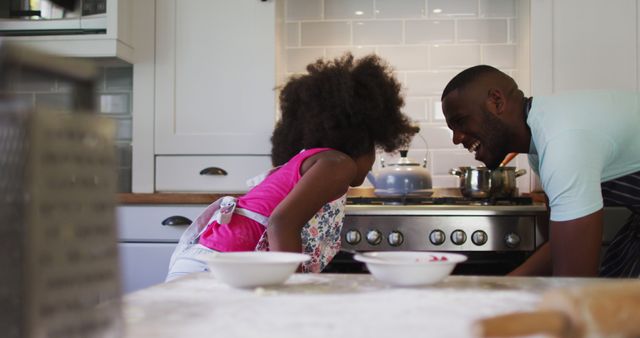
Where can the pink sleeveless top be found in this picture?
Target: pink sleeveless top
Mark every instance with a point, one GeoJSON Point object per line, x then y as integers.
{"type": "Point", "coordinates": [242, 233]}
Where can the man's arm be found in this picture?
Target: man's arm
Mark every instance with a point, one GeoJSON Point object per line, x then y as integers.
{"type": "Point", "coordinates": [539, 264]}
{"type": "Point", "coordinates": [575, 245]}
{"type": "Point", "coordinates": [573, 249]}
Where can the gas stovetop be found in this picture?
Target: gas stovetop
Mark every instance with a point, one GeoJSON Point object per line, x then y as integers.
{"type": "Point", "coordinates": [442, 205]}
{"type": "Point", "coordinates": [412, 200]}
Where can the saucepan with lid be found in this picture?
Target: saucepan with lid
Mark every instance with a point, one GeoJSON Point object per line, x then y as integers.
{"type": "Point", "coordinates": [481, 182]}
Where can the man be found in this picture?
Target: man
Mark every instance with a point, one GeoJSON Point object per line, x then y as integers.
{"type": "Point", "coordinates": [584, 146]}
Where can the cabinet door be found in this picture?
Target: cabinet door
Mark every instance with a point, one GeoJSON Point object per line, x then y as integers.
{"type": "Point", "coordinates": [143, 264]}
{"type": "Point", "coordinates": [583, 44]}
{"type": "Point", "coordinates": [215, 76]}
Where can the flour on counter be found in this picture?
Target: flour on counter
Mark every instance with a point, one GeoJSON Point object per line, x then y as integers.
{"type": "Point", "coordinates": [327, 305]}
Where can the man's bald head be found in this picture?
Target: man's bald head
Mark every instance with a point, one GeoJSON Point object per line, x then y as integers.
{"type": "Point", "coordinates": [481, 77]}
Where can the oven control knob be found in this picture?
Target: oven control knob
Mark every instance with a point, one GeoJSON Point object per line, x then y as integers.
{"type": "Point", "coordinates": [458, 237]}
{"type": "Point", "coordinates": [353, 237]}
{"type": "Point", "coordinates": [512, 240]}
{"type": "Point", "coordinates": [395, 238]}
{"type": "Point", "coordinates": [374, 237]}
{"type": "Point", "coordinates": [437, 237]}
{"type": "Point", "coordinates": [479, 237]}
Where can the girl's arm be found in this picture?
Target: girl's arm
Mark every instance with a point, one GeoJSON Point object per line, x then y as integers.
{"type": "Point", "coordinates": [326, 176]}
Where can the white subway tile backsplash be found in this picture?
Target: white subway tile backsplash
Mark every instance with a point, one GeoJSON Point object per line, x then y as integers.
{"type": "Point", "coordinates": [497, 8]}
{"type": "Point", "coordinates": [513, 32]}
{"type": "Point", "coordinates": [429, 31]}
{"type": "Point", "coordinates": [440, 181]}
{"type": "Point", "coordinates": [397, 9]}
{"type": "Point", "coordinates": [56, 93]}
{"type": "Point", "coordinates": [123, 132]}
{"type": "Point", "coordinates": [443, 161]}
{"type": "Point", "coordinates": [460, 56]}
{"type": "Point", "coordinates": [326, 33]}
{"type": "Point", "coordinates": [499, 56]}
{"type": "Point", "coordinates": [293, 34]}
{"type": "Point", "coordinates": [483, 30]}
{"type": "Point", "coordinates": [124, 180]}
{"type": "Point", "coordinates": [32, 83]}
{"type": "Point", "coordinates": [356, 51]}
{"type": "Point", "coordinates": [437, 136]}
{"type": "Point", "coordinates": [62, 102]}
{"type": "Point", "coordinates": [123, 153]}
{"type": "Point", "coordinates": [299, 58]}
{"type": "Point", "coordinates": [119, 78]}
{"type": "Point", "coordinates": [428, 83]}
{"type": "Point", "coordinates": [425, 48]}
{"type": "Point", "coordinates": [114, 104]}
{"type": "Point", "coordinates": [439, 8]}
{"type": "Point", "coordinates": [377, 32]}
{"type": "Point", "coordinates": [416, 108]}
{"type": "Point", "coordinates": [303, 9]}
{"type": "Point", "coordinates": [437, 114]}
{"type": "Point", "coordinates": [405, 57]}
{"type": "Point", "coordinates": [352, 9]}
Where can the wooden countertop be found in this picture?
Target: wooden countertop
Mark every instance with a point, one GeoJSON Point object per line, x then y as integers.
{"type": "Point", "coordinates": [200, 198]}
{"type": "Point", "coordinates": [329, 305]}
{"type": "Point", "coordinates": [171, 198]}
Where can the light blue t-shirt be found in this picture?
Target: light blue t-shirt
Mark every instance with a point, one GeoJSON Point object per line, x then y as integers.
{"type": "Point", "coordinates": [580, 140]}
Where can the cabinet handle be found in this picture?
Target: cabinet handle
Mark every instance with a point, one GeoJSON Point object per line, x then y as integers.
{"type": "Point", "coordinates": [213, 171]}
{"type": "Point", "coordinates": [176, 220]}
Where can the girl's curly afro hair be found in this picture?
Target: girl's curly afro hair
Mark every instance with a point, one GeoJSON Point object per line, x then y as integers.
{"type": "Point", "coordinates": [345, 104]}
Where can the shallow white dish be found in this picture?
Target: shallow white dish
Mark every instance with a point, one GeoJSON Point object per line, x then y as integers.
{"type": "Point", "coordinates": [247, 269]}
{"type": "Point", "coordinates": [410, 268]}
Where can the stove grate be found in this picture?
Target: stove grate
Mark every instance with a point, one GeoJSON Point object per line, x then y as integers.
{"type": "Point", "coordinates": [412, 200]}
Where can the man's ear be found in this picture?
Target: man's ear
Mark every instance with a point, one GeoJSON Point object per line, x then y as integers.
{"type": "Point", "coordinates": [495, 102]}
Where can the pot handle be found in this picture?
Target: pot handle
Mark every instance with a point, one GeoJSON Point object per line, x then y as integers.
{"type": "Point", "coordinates": [520, 172]}
{"type": "Point", "coordinates": [456, 171]}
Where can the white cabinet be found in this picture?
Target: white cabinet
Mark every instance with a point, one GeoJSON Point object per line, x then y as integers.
{"type": "Point", "coordinates": [215, 77]}
{"type": "Point", "coordinates": [225, 174]}
{"type": "Point", "coordinates": [147, 235]}
{"type": "Point", "coordinates": [143, 264]}
{"type": "Point", "coordinates": [583, 44]}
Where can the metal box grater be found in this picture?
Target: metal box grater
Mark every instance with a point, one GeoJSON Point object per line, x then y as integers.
{"type": "Point", "coordinates": [58, 251]}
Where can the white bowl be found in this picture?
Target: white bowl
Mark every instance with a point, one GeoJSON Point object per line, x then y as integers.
{"type": "Point", "coordinates": [248, 269]}
{"type": "Point", "coordinates": [410, 268]}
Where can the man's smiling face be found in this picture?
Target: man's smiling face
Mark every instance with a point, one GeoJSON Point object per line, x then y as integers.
{"type": "Point", "coordinates": [477, 128]}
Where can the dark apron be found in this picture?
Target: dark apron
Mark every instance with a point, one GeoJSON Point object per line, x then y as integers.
{"type": "Point", "coordinates": [622, 258]}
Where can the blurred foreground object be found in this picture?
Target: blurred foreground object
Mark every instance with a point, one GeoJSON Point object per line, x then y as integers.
{"type": "Point", "coordinates": [58, 253]}
{"type": "Point", "coordinates": [607, 309]}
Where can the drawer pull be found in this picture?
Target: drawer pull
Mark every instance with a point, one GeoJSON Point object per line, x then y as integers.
{"type": "Point", "coordinates": [213, 171]}
{"type": "Point", "coordinates": [176, 220]}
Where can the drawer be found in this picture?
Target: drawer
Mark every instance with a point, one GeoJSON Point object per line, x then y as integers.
{"type": "Point", "coordinates": [208, 173]}
{"type": "Point", "coordinates": [145, 223]}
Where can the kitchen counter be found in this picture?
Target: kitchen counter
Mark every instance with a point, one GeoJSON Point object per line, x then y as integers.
{"type": "Point", "coordinates": [200, 198]}
{"type": "Point", "coordinates": [328, 305]}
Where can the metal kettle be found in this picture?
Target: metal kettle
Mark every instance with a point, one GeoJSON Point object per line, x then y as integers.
{"type": "Point", "coordinates": [403, 178]}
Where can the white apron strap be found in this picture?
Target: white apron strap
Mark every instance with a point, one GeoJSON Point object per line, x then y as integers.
{"type": "Point", "coordinates": [228, 207]}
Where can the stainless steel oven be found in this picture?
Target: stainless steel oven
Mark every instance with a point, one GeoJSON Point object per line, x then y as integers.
{"type": "Point", "coordinates": [495, 234]}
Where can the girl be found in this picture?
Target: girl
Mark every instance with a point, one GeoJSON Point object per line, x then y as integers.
{"type": "Point", "coordinates": [333, 119]}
